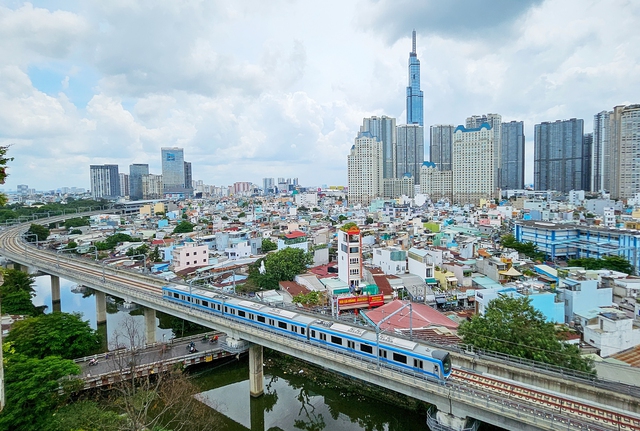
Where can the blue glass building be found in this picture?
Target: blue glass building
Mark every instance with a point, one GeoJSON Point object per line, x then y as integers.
{"type": "Point", "coordinates": [414, 94]}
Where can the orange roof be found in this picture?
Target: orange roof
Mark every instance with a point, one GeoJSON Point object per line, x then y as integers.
{"type": "Point", "coordinates": [421, 316]}
{"type": "Point", "coordinates": [294, 234]}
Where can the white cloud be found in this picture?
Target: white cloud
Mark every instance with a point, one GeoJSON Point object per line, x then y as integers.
{"type": "Point", "coordinates": [255, 89]}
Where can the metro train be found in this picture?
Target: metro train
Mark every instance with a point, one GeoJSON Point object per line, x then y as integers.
{"type": "Point", "coordinates": [397, 352]}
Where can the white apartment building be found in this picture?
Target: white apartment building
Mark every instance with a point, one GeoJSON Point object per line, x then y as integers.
{"type": "Point", "coordinates": [613, 332]}
{"type": "Point", "coordinates": [396, 187]}
{"type": "Point", "coordinates": [189, 255]}
{"type": "Point", "coordinates": [350, 256]}
{"type": "Point", "coordinates": [421, 263]}
{"type": "Point", "coordinates": [474, 172]}
{"type": "Point", "coordinates": [391, 260]}
{"type": "Point", "coordinates": [152, 186]}
{"type": "Point", "coordinates": [365, 169]}
{"type": "Point", "coordinates": [309, 200]}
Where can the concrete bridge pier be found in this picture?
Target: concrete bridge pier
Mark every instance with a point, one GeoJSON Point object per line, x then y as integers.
{"type": "Point", "coordinates": [150, 325]}
{"type": "Point", "coordinates": [101, 307]}
{"type": "Point", "coordinates": [55, 293]}
{"type": "Point", "coordinates": [256, 375]}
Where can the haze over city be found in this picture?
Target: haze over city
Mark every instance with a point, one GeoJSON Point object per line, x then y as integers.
{"type": "Point", "coordinates": [279, 89]}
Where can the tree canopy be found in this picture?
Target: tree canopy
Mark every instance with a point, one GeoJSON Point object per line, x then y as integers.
{"type": "Point", "coordinates": [3, 171]}
{"type": "Point", "coordinates": [280, 266]}
{"type": "Point", "coordinates": [529, 249]}
{"type": "Point", "coordinates": [184, 227]}
{"type": "Point", "coordinates": [56, 334]}
{"type": "Point", "coordinates": [41, 232]}
{"type": "Point", "coordinates": [16, 293]}
{"type": "Point", "coordinates": [268, 245]}
{"type": "Point", "coordinates": [31, 387]}
{"type": "Point", "coordinates": [512, 326]}
{"type": "Point", "coordinates": [614, 263]}
{"type": "Point", "coordinates": [310, 299]}
{"type": "Point", "coordinates": [112, 241]}
{"type": "Point", "coordinates": [76, 222]}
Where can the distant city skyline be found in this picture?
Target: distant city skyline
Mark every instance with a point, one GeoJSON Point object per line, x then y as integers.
{"type": "Point", "coordinates": [255, 90]}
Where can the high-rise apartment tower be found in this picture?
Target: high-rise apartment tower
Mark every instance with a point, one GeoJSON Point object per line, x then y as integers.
{"type": "Point", "coordinates": [384, 129]}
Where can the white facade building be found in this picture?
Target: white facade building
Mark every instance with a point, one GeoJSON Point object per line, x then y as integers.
{"type": "Point", "coordinates": [421, 263]}
{"type": "Point", "coordinates": [350, 256]}
{"type": "Point", "coordinates": [612, 333]}
{"type": "Point", "coordinates": [365, 170]}
{"type": "Point", "coordinates": [309, 200]}
{"type": "Point", "coordinates": [581, 295]}
{"type": "Point", "coordinates": [436, 183]}
{"type": "Point", "coordinates": [391, 260]}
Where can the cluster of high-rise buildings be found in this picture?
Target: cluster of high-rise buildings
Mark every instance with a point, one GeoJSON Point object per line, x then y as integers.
{"type": "Point", "coordinates": [476, 161]}
{"type": "Point", "coordinates": [176, 180]}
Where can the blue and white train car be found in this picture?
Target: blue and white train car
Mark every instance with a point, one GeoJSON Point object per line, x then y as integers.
{"type": "Point", "coordinates": [410, 356]}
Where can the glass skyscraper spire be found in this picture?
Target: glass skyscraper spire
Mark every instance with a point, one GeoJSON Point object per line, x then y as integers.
{"type": "Point", "coordinates": [414, 94]}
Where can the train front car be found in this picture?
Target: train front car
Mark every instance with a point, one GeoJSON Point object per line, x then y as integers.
{"type": "Point", "coordinates": [445, 360]}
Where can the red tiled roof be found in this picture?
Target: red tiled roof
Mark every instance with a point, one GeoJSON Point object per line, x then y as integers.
{"type": "Point", "coordinates": [293, 288]}
{"type": "Point", "coordinates": [422, 316]}
{"type": "Point", "coordinates": [322, 271]}
{"type": "Point", "coordinates": [294, 234]}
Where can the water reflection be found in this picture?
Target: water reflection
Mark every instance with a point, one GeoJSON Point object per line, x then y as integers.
{"type": "Point", "coordinates": [295, 402]}
{"type": "Point", "coordinates": [78, 300]}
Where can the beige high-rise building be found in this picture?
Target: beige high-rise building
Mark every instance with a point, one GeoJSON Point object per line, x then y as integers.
{"type": "Point", "coordinates": [436, 183]}
{"type": "Point", "coordinates": [152, 187]}
{"type": "Point", "coordinates": [365, 170]}
{"type": "Point", "coordinates": [474, 173]}
{"type": "Point", "coordinates": [624, 151]}
{"type": "Point", "coordinates": [495, 121]}
{"type": "Point", "coordinates": [396, 187]}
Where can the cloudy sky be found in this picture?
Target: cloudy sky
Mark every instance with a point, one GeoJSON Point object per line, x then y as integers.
{"type": "Point", "coordinates": [255, 88]}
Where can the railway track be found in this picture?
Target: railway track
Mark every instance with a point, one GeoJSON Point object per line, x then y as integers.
{"type": "Point", "coordinates": [566, 412]}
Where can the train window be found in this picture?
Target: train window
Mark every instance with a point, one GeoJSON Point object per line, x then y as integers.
{"type": "Point", "coordinates": [205, 303]}
{"type": "Point", "coordinates": [272, 322]}
{"type": "Point", "coordinates": [382, 353]}
{"type": "Point", "coordinates": [302, 331]}
{"type": "Point", "coordinates": [294, 328]}
{"type": "Point", "coordinates": [218, 307]}
{"type": "Point", "coordinates": [323, 337]}
{"type": "Point", "coordinates": [417, 363]}
{"type": "Point", "coordinates": [366, 348]}
{"type": "Point", "coordinates": [351, 344]}
{"type": "Point", "coordinates": [226, 310]}
{"type": "Point", "coordinates": [336, 340]}
{"type": "Point", "coordinates": [252, 316]}
{"type": "Point", "coordinates": [313, 333]}
{"type": "Point", "coordinates": [261, 319]}
{"type": "Point", "coordinates": [241, 313]}
{"type": "Point", "coordinates": [282, 325]}
{"type": "Point", "coordinates": [400, 358]}
{"type": "Point", "coordinates": [175, 295]}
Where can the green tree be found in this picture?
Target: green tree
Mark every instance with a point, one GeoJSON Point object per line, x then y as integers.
{"type": "Point", "coordinates": [183, 227]}
{"type": "Point", "coordinates": [268, 245]}
{"type": "Point", "coordinates": [112, 241]}
{"type": "Point", "coordinates": [41, 232]}
{"type": "Point", "coordinates": [32, 390]}
{"type": "Point", "coordinates": [56, 334]}
{"type": "Point", "coordinates": [342, 218]}
{"type": "Point", "coordinates": [155, 255]}
{"type": "Point", "coordinates": [16, 293]}
{"type": "Point", "coordinates": [75, 232]}
{"type": "Point", "coordinates": [369, 220]}
{"type": "Point", "coordinates": [87, 415]}
{"type": "Point", "coordinates": [512, 326]}
{"type": "Point", "coordinates": [134, 251]}
{"type": "Point", "coordinates": [529, 249]}
{"type": "Point", "coordinates": [3, 171]}
{"type": "Point", "coordinates": [280, 266]}
{"type": "Point", "coordinates": [312, 298]}
{"type": "Point", "coordinates": [614, 263]}
{"type": "Point", "coordinates": [76, 222]}
{"type": "Point", "coordinates": [242, 214]}
{"type": "Point", "coordinates": [71, 245]}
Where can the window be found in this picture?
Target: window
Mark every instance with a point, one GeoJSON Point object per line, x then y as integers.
{"type": "Point", "coordinates": [366, 348]}
{"type": "Point", "coordinates": [336, 340]}
{"type": "Point", "coordinates": [272, 322]}
{"type": "Point", "coordinates": [205, 303]}
{"type": "Point", "coordinates": [282, 325]}
{"type": "Point", "coordinates": [351, 344]}
{"type": "Point", "coordinates": [226, 310]}
{"type": "Point", "coordinates": [302, 331]}
{"type": "Point", "coordinates": [241, 313]}
{"type": "Point", "coordinates": [261, 319]}
{"type": "Point", "coordinates": [313, 333]}
{"type": "Point", "coordinates": [323, 337]}
{"type": "Point", "coordinates": [417, 363]}
{"type": "Point", "coordinates": [382, 353]}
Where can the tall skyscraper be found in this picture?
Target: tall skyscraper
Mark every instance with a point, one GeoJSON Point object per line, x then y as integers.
{"type": "Point", "coordinates": [441, 146]}
{"type": "Point", "coordinates": [173, 170]}
{"type": "Point", "coordinates": [558, 156]}
{"type": "Point", "coordinates": [587, 176]}
{"type": "Point", "coordinates": [512, 156]}
{"type": "Point", "coordinates": [268, 186]}
{"type": "Point", "coordinates": [384, 129]}
{"type": "Point", "coordinates": [364, 170]}
{"type": "Point", "coordinates": [105, 181]}
{"type": "Point", "coordinates": [495, 121]}
{"type": "Point", "coordinates": [136, 171]}
{"type": "Point", "coordinates": [410, 151]}
{"type": "Point", "coordinates": [473, 170]}
{"type": "Point", "coordinates": [624, 163]}
{"type": "Point", "coordinates": [600, 178]}
{"type": "Point", "coordinates": [152, 186]}
{"type": "Point", "coordinates": [415, 105]}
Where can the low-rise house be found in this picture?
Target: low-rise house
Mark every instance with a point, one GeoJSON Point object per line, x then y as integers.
{"type": "Point", "coordinates": [612, 332]}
